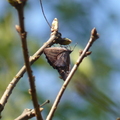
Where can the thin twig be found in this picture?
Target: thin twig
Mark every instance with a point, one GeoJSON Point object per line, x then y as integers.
{"type": "Point", "coordinates": [94, 36]}
{"type": "Point", "coordinates": [30, 113]}
{"type": "Point", "coordinates": [47, 101]}
{"type": "Point", "coordinates": [27, 114]}
{"type": "Point", "coordinates": [32, 59]}
{"type": "Point", "coordinates": [31, 78]}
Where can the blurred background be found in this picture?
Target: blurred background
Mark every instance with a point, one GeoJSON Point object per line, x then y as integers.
{"type": "Point", "coordinates": [94, 90]}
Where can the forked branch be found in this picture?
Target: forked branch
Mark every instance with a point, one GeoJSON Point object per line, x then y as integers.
{"type": "Point", "coordinates": [93, 37]}
{"type": "Point", "coordinates": [23, 35]}
{"type": "Point", "coordinates": [27, 114]}
{"type": "Point", "coordinates": [19, 5]}
{"type": "Point", "coordinates": [32, 59]}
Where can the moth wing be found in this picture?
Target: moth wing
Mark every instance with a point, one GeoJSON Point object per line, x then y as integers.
{"type": "Point", "coordinates": [59, 58]}
{"type": "Point", "coordinates": [52, 54]}
{"type": "Point", "coordinates": [63, 60]}
{"type": "Point", "coordinates": [63, 64]}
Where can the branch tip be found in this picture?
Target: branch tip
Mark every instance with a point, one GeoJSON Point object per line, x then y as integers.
{"type": "Point", "coordinates": [17, 3]}
{"type": "Point", "coordinates": [94, 34]}
{"type": "Point", "coordinates": [54, 26]}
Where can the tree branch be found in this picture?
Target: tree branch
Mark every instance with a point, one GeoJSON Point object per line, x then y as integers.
{"type": "Point", "coordinates": [93, 37]}
{"type": "Point", "coordinates": [52, 40]}
{"type": "Point", "coordinates": [31, 78]}
{"type": "Point", "coordinates": [27, 114]}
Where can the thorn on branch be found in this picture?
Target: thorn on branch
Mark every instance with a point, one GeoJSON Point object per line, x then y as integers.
{"type": "Point", "coordinates": [47, 101]}
{"type": "Point", "coordinates": [86, 54]}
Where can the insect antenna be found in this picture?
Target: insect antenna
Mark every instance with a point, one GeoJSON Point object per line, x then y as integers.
{"type": "Point", "coordinates": [70, 47]}
{"type": "Point", "coordinates": [44, 13]}
{"type": "Point", "coordinates": [74, 46]}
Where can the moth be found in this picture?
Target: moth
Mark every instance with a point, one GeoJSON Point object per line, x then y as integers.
{"type": "Point", "coordinates": [59, 58]}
